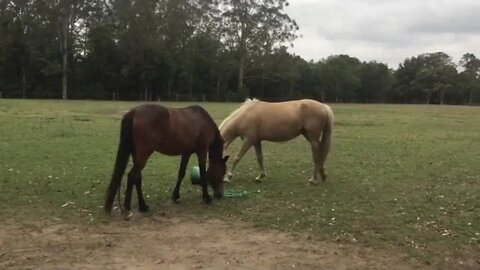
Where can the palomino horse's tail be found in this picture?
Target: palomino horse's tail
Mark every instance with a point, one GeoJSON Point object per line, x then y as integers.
{"type": "Point", "coordinates": [326, 140]}
{"type": "Point", "coordinates": [125, 149]}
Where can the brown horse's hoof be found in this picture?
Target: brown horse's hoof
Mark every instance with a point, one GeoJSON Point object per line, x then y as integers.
{"type": "Point", "coordinates": [144, 208]}
{"type": "Point", "coordinates": [207, 199]}
{"type": "Point", "coordinates": [127, 215]}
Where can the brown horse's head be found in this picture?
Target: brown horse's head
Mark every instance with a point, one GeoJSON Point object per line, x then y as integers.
{"type": "Point", "coordinates": [215, 173]}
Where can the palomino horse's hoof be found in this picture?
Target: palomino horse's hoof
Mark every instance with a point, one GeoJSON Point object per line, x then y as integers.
{"type": "Point", "coordinates": [312, 181]}
{"type": "Point", "coordinates": [259, 178]}
{"type": "Point", "coordinates": [228, 178]}
{"type": "Point", "coordinates": [127, 215]}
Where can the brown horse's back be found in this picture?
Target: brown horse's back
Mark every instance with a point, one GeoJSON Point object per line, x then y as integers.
{"type": "Point", "coordinates": [171, 131]}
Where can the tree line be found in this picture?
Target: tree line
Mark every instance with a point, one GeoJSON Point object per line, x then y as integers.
{"type": "Point", "coordinates": [216, 50]}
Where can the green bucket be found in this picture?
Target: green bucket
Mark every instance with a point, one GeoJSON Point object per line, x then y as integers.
{"type": "Point", "coordinates": [195, 175]}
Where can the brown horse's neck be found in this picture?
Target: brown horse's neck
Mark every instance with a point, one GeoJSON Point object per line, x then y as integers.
{"type": "Point", "coordinates": [216, 148]}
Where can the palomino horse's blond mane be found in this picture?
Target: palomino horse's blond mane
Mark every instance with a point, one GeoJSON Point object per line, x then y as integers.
{"type": "Point", "coordinates": [247, 103]}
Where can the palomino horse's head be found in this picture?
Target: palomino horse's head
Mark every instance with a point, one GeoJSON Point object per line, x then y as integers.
{"type": "Point", "coordinates": [215, 173]}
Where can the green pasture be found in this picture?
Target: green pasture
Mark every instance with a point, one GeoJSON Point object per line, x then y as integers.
{"type": "Point", "coordinates": [400, 176]}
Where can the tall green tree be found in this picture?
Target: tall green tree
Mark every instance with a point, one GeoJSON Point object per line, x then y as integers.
{"type": "Point", "coordinates": [21, 28]}
{"type": "Point", "coordinates": [376, 81]}
{"type": "Point", "coordinates": [251, 26]}
{"type": "Point", "coordinates": [340, 77]}
{"type": "Point", "coordinates": [67, 18]}
{"type": "Point", "coordinates": [471, 75]}
{"type": "Point", "coordinates": [436, 75]}
{"type": "Point", "coordinates": [427, 76]}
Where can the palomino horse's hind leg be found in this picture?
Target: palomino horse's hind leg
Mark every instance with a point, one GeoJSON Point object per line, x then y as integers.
{"type": "Point", "coordinates": [323, 152]}
{"type": "Point", "coordinates": [316, 160]}
{"type": "Point", "coordinates": [181, 175]}
{"type": "Point", "coordinates": [246, 145]}
{"type": "Point", "coordinates": [259, 153]}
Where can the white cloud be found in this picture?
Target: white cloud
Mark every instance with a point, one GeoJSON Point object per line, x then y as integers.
{"type": "Point", "coordinates": [385, 30]}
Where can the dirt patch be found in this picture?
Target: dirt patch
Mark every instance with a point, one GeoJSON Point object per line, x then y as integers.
{"type": "Point", "coordinates": [175, 243]}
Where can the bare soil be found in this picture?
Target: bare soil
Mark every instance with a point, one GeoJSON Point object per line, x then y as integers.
{"type": "Point", "coordinates": [178, 243]}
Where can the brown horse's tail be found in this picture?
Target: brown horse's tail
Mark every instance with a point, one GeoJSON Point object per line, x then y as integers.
{"type": "Point", "coordinates": [326, 138]}
{"type": "Point", "coordinates": [125, 149]}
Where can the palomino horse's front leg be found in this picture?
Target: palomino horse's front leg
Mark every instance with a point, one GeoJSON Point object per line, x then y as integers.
{"type": "Point", "coordinates": [246, 145]}
{"type": "Point", "coordinates": [259, 153]}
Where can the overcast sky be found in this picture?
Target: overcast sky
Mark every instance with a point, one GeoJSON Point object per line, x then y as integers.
{"type": "Point", "coordinates": [385, 30]}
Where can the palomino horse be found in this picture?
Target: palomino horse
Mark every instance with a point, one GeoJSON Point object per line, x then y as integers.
{"type": "Point", "coordinates": [174, 132]}
{"type": "Point", "coordinates": [256, 121]}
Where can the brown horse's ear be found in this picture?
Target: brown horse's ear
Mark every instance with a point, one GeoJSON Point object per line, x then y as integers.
{"type": "Point", "coordinates": [225, 159]}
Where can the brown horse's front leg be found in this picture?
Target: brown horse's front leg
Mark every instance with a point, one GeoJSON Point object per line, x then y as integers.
{"type": "Point", "coordinates": [181, 175]}
{"type": "Point", "coordinates": [202, 161]}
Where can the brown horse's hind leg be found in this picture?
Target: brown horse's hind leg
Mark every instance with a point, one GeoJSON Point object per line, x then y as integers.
{"type": "Point", "coordinates": [181, 175]}
{"type": "Point", "coordinates": [259, 153]}
{"type": "Point", "coordinates": [246, 145]}
{"type": "Point", "coordinates": [135, 179]}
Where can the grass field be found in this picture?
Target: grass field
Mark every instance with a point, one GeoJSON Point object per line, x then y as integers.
{"type": "Point", "coordinates": [399, 176]}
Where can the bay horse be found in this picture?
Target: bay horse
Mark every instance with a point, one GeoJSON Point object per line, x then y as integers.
{"type": "Point", "coordinates": [174, 132]}
{"type": "Point", "coordinates": [255, 121]}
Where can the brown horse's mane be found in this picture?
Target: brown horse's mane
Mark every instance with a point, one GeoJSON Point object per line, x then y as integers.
{"type": "Point", "coordinates": [247, 103]}
{"type": "Point", "coordinates": [215, 150]}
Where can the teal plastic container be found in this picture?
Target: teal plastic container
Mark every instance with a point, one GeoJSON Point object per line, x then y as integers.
{"type": "Point", "coordinates": [195, 175]}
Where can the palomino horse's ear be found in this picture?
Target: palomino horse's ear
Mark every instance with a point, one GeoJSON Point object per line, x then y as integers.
{"type": "Point", "coordinates": [225, 159]}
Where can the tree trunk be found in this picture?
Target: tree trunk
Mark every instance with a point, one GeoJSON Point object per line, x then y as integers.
{"type": "Point", "coordinates": [169, 89]}
{"type": "Point", "coordinates": [262, 91]}
{"type": "Point", "coordinates": [470, 97]}
{"type": "Point", "coordinates": [145, 93]}
{"type": "Point", "coordinates": [64, 59]}
{"type": "Point", "coordinates": [290, 85]}
{"type": "Point", "coordinates": [218, 88]}
{"type": "Point", "coordinates": [190, 86]}
{"type": "Point", "coordinates": [24, 83]}
{"type": "Point", "coordinates": [1, 86]}
{"type": "Point", "coordinates": [442, 96]}
{"type": "Point", "coordinates": [171, 81]}
{"type": "Point", "coordinates": [241, 67]}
